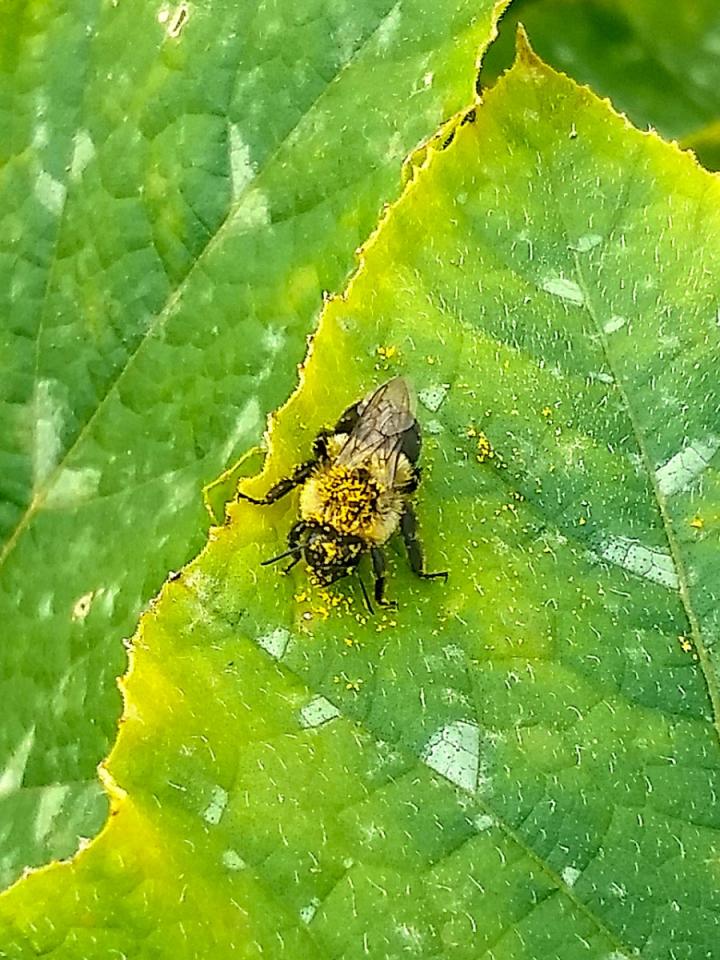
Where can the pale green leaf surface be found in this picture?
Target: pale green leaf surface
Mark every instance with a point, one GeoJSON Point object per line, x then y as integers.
{"type": "Point", "coordinates": [657, 61]}
{"type": "Point", "coordinates": [525, 763]}
{"type": "Point", "coordinates": [174, 200]}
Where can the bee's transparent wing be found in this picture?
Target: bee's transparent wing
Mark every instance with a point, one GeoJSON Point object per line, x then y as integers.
{"type": "Point", "coordinates": [384, 417]}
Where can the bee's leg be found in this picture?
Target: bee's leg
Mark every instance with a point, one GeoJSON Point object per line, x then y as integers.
{"type": "Point", "coordinates": [378, 562]}
{"type": "Point", "coordinates": [408, 528]}
{"type": "Point", "coordinates": [320, 446]}
{"type": "Point", "coordinates": [283, 487]}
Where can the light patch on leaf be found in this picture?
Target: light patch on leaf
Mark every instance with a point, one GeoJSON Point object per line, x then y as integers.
{"type": "Point", "coordinates": [50, 192]}
{"type": "Point", "coordinates": [388, 27]}
{"type": "Point", "coordinates": [40, 136]}
{"type": "Point", "coordinates": [275, 643]}
{"type": "Point", "coordinates": [83, 152]}
{"type": "Point", "coordinates": [317, 712]}
{"type": "Point", "coordinates": [587, 242]}
{"type": "Point", "coordinates": [178, 21]}
{"type": "Point", "coordinates": [483, 822]}
{"type": "Point", "coordinates": [682, 468]}
{"type": "Point", "coordinates": [565, 289]}
{"type": "Point", "coordinates": [570, 875]}
{"type": "Point", "coordinates": [232, 860]}
{"type": "Point", "coordinates": [242, 169]}
{"type": "Point", "coordinates": [433, 397]}
{"type": "Point", "coordinates": [246, 425]}
{"type": "Point", "coordinates": [253, 211]}
{"type": "Point", "coordinates": [273, 339]}
{"type": "Point", "coordinates": [45, 606]}
{"type": "Point", "coordinates": [653, 565]}
{"type": "Point", "coordinates": [11, 776]}
{"type": "Point", "coordinates": [51, 803]}
{"type": "Point", "coordinates": [309, 910]}
{"type": "Point", "coordinates": [614, 323]}
{"type": "Point", "coordinates": [72, 487]}
{"type": "Point", "coordinates": [49, 416]}
{"type": "Point", "coordinates": [81, 607]}
{"type": "Point", "coordinates": [453, 751]}
{"type": "Point", "coordinates": [216, 807]}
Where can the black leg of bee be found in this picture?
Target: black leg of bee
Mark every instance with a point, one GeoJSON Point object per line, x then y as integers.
{"type": "Point", "coordinates": [365, 594]}
{"type": "Point", "coordinates": [320, 448]}
{"type": "Point", "coordinates": [378, 562]}
{"type": "Point", "coordinates": [283, 487]}
{"type": "Point", "coordinates": [408, 528]}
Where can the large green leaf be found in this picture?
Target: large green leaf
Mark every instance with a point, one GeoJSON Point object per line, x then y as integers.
{"type": "Point", "coordinates": [657, 61]}
{"type": "Point", "coordinates": [178, 187]}
{"type": "Point", "coordinates": [525, 763]}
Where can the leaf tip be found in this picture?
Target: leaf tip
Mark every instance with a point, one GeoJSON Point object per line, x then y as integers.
{"type": "Point", "coordinates": [524, 52]}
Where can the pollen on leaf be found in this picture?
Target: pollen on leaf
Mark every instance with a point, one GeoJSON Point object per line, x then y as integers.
{"type": "Point", "coordinates": [387, 353]}
{"type": "Point", "coordinates": [582, 521]}
{"type": "Point", "coordinates": [685, 644]}
{"type": "Point", "coordinates": [698, 523]}
{"type": "Point", "coordinates": [547, 411]}
{"type": "Point", "coordinates": [484, 449]}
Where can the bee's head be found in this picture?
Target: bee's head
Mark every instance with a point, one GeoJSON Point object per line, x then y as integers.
{"type": "Point", "coordinates": [329, 554]}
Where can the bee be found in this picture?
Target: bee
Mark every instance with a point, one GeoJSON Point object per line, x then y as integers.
{"type": "Point", "coordinates": [356, 492]}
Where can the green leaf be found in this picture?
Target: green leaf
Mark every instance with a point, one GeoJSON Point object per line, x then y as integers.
{"type": "Point", "coordinates": [178, 186]}
{"type": "Point", "coordinates": [523, 764]}
{"type": "Point", "coordinates": [658, 62]}
{"type": "Point", "coordinates": [705, 144]}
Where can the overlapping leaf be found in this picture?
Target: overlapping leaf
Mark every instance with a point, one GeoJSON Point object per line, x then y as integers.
{"type": "Point", "coordinates": [656, 61]}
{"type": "Point", "coordinates": [179, 184]}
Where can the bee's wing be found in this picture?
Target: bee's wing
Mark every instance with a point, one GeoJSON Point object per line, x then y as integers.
{"type": "Point", "coordinates": [384, 417]}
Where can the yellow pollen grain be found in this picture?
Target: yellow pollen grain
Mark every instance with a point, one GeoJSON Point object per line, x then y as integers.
{"type": "Point", "coordinates": [484, 449]}
{"type": "Point", "coordinates": [546, 411]}
{"type": "Point", "coordinates": [697, 522]}
{"type": "Point", "coordinates": [387, 353]}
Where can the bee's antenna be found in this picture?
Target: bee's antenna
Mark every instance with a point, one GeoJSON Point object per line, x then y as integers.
{"type": "Point", "coordinates": [280, 556]}
{"type": "Point", "coordinates": [365, 594]}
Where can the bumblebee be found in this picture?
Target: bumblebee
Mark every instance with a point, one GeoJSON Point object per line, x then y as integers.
{"type": "Point", "coordinates": [356, 491]}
